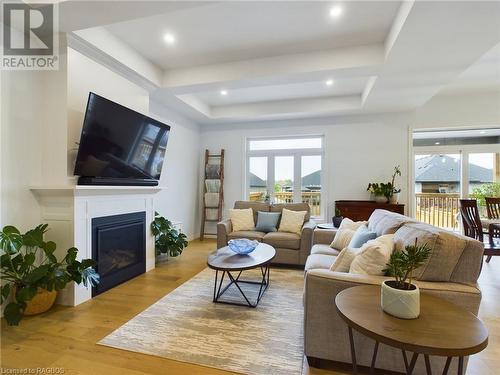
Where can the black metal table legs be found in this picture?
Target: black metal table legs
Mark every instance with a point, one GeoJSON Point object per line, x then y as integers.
{"type": "Point", "coordinates": [219, 291]}
{"type": "Point", "coordinates": [409, 366]}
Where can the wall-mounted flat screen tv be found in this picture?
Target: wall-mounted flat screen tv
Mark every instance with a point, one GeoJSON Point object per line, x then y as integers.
{"type": "Point", "coordinates": [119, 146]}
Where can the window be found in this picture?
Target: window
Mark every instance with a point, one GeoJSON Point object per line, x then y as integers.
{"type": "Point", "coordinates": [286, 170]}
{"type": "Point", "coordinates": [450, 165]}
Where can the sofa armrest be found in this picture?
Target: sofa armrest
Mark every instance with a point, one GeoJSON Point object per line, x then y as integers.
{"type": "Point", "coordinates": [306, 237]}
{"type": "Point", "coordinates": [224, 227]}
{"type": "Point", "coordinates": [324, 236]}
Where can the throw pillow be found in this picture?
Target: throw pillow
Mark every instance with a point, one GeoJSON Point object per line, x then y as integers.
{"type": "Point", "coordinates": [349, 224]}
{"type": "Point", "coordinates": [242, 219]}
{"type": "Point", "coordinates": [373, 256]}
{"type": "Point", "coordinates": [343, 260]}
{"type": "Point", "coordinates": [292, 221]}
{"type": "Point", "coordinates": [267, 221]}
{"type": "Point", "coordinates": [342, 238]}
{"type": "Point", "coordinates": [361, 236]}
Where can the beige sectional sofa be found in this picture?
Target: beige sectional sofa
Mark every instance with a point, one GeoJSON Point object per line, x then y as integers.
{"type": "Point", "coordinates": [290, 248]}
{"type": "Point", "coordinates": [451, 273]}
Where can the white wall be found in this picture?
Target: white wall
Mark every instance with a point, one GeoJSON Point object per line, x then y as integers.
{"type": "Point", "coordinates": [178, 201]}
{"type": "Point", "coordinates": [468, 110]}
{"type": "Point", "coordinates": [359, 150]}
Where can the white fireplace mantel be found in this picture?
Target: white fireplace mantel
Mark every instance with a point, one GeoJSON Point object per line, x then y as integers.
{"type": "Point", "coordinates": [69, 211]}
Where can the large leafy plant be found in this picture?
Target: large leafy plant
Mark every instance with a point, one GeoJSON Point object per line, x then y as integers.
{"type": "Point", "coordinates": [28, 263]}
{"type": "Point", "coordinates": [402, 264]}
{"type": "Point", "coordinates": [168, 240]}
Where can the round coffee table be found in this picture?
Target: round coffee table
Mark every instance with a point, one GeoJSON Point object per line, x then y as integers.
{"type": "Point", "coordinates": [229, 263]}
{"type": "Point", "coordinates": [442, 329]}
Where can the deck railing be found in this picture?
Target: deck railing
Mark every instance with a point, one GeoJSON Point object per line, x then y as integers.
{"type": "Point", "coordinates": [313, 198]}
{"type": "Point", "coordinates": [438, 209]}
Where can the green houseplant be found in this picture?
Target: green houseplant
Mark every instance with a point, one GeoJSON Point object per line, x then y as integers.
{"type": "Point", "coordinates": [381, 191]}
{"type": "Point", "coordinates": [395, 191]}
{"type": "Point", "coordinates": [29, 272]}
{"type": "Point", "coordinates": [400, 297]}
{"type": "Point", "coordinates": [168, 240]}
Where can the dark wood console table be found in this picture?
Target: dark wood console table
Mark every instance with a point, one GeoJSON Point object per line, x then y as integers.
{"type": "Point", "coordinates": [361, 210]}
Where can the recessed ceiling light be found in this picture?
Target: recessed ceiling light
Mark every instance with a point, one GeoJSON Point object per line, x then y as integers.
{"type": "Point", "coordinates": [329, 82]}
{"type": "Point", "coordinates": [336, 11]}
{"type": "Point", "coordinates": [169, 38]}
{"type": "Point", "coordinates": [223, 92]}
{"type": "Point", "coordinates": [437, 143]}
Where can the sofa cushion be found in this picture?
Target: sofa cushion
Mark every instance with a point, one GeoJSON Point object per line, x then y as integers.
{"type": "Point", "coordinates": [255, 206]}
{"type": "Point", "coordinates": [344, 260]}
{"type": "Point", "coordinates": [386, 222]}
{"type": "Point", "coordinates": [291, 221]}
{"type": "Point", "coordinates": [242, 219]}
{"type": "Point", "coordinates": [373, 256]}
{"type": "Point", "coordinates": [323, 249]}
{"type": "Point", "coordinates": [342, 239]}
{"type": "Point", "coordinates": [283, 239]}
{"type": "Point", "coordinates": [319, 261]}
{"type": "Point", "coordinates": [250, 234]}
{"type": "Point", "coordinates": [293, 207]}
{"type": "Point", "coordinates": [267, 221]}
{"type": "Point", "coordinates": [361, 236]}
{"type": "Point", "coordinates": [447, 248]}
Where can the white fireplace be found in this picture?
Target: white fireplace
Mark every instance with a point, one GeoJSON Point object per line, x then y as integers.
{"type": "Point", "coordinates": [69, 212]}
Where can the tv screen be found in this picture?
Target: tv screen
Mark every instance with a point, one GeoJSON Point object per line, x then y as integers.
{"type": "Point", "coordinates": [117, 142]}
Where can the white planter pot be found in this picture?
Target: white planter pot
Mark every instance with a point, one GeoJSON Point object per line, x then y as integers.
{"type": "Point", "coordinates": [404, 304]}
{"type": "Point", "coordinates": [394, 199]}
{"type": "Point", "coordinates": [380, 199]}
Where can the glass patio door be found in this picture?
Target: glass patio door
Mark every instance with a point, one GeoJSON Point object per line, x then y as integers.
{"type": "Point", "coordinates": [438, 188]}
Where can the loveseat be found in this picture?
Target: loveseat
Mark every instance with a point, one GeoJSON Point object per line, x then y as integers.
{"type": "Point", "coordinates": [291, 248]}
{"type": "Point", "coordinates": [451, 273]}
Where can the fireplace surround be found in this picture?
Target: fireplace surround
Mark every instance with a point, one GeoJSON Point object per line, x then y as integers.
{"type": "Point", "coordinates": [70, 211]}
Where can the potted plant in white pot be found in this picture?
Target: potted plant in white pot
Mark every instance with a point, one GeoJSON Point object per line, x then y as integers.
{"type": "Point", "coordinates": [382, 192]}
{"type": "Point", "coordinates": [399, 297]}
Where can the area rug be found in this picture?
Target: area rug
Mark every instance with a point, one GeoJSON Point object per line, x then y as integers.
{"type": "Point", "coordinates": [187, 326]}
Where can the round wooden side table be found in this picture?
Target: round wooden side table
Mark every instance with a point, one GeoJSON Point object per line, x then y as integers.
{"type": "Point", "coordinates": [442, 329]}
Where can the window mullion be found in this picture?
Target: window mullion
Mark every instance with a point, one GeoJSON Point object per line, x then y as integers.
{"type": "Point", "coordinates": [297, 183]}
{"type": "Point", "coordinates": [270, 176]}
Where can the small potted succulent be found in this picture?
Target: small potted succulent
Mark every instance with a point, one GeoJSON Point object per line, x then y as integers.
{"type": "Point", "coordinates": [399, 297]}
{"type": "Point", "coordinates": [337, 219]}
{"type": "Point", "coordinates": [31, 274]}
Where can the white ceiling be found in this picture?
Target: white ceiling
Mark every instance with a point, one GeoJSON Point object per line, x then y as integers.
{"type": "Point", "coordinates": [241, 30]}
{"type": "Point", "coordinates": [273, 58]}
{"type": "Point", "coordinates": [313, 89]}
{"type": "Point", "coordinates": [483, 75]}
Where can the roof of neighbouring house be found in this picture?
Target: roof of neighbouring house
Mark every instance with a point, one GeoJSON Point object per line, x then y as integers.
{"type": "Point", "coordinates": [442, 168]}
{"type": "Point", "coordinates": [256, 181]}
{"type": "Point", "coordinates": [312, 179]}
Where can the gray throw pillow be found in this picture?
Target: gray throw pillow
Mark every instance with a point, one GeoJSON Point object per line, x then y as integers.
{"type": "Point", "coordinates": [267, 221]}
{"type": "Point", "coordinates": [361, 236]}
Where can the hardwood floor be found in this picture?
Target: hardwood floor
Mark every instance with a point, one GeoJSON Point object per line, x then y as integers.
{"type": "Point", "coordinates": [65, 337]}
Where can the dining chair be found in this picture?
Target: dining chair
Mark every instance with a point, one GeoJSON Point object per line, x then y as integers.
{"type": "Point", "coordinates": [470, 219]}
{"type": "Point", "coordinates": [493, 208]}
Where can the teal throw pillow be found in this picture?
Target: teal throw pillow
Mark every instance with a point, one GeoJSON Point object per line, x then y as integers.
{"type": "Point", "coordinates": [267, 221]}
{"type": "Point", "coordinates": [361, 236]}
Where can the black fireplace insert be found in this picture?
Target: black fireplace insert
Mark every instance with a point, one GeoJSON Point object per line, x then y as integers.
{"type": "Point", "coordinates": [119, 248]}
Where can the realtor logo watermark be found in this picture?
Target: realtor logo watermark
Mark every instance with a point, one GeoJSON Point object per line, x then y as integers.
{"type": "Point", "coordinates": [30, 36]}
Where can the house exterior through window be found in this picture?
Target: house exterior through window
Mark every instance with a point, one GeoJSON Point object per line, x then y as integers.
{"type": "Point", "coordinates": [286, 170]}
